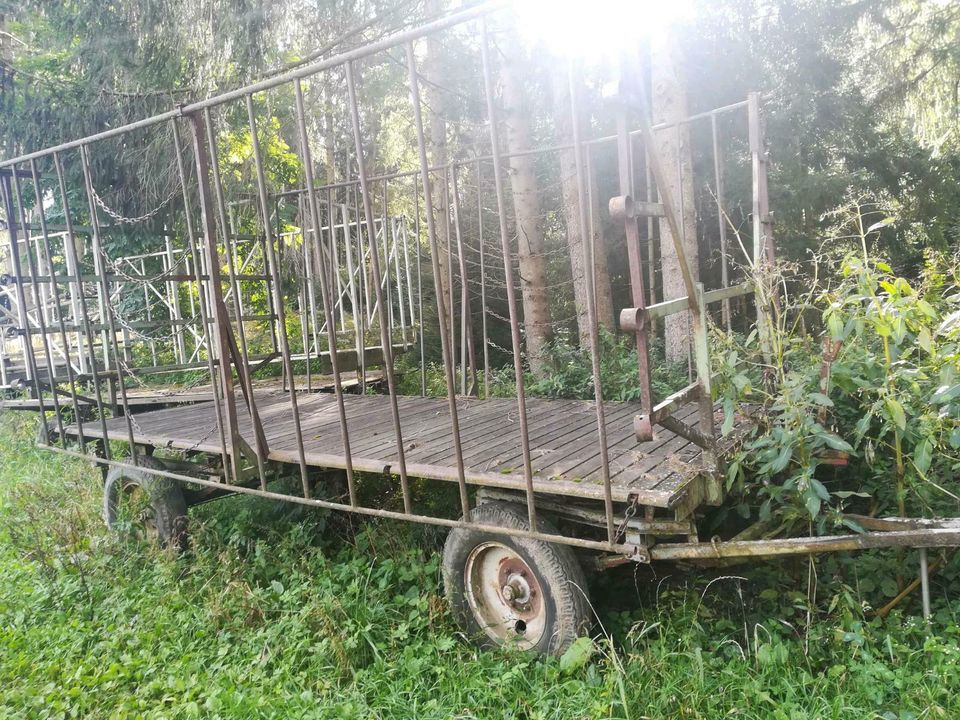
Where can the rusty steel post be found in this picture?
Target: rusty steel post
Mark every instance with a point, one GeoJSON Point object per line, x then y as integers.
{"type": "Point", "coordinates": [99, 255]}
{"type": "Point", "coordinates": [48, 257]}
{"type": "Point", "coordinates": [325, 296]}
{"type": "Point", "coordinates": [622, 209]}
{"type": "Point", "coordinates": [589, 269]}
{"type": "Point", "coordinates": [385, 339]}
{"type": "Point", "coordinates": [468, 358]}
{"type": "Point", "coordinates": [483, 289]}
{"type": "Point", "coordinates": [508, 273]}
{"type": "Point", "coordinates": [274, 270]}
{"type": "Point", "coordinates": [221, 321]}
{"type": "Point", "coordinates": [39, 303]}
{"type": "Point", "coordinates": [229, 248]}
{"type": "Point", "coordinates": [435, 262]}
{"type": "Point", "coordinates": [29, 359]}
{"type": "Point", "coordinates": [721, 217]}
{"type": "Point", "coordinates": [70, 248]}
{"type": "Point", "coordinates": [205, 318]}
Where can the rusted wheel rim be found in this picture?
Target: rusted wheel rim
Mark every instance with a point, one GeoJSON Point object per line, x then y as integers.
{"type": "Point", "coordinates": [504, 596]}
{"type": "Point", "coordinates": [138, 511]}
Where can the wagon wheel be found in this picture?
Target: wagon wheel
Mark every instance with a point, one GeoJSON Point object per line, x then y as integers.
{"type": "Point", "coordinates": [47, 432]}
{"type": "Point", "coordinates": [147, 506]}
{"type": "Point", "coordinates": [514, 592]}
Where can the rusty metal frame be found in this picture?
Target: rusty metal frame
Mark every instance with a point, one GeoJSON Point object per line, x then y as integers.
{"type": "Point", "coordinates": [372, 260]}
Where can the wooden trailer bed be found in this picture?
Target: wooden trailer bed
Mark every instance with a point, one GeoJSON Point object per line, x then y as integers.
{"type": "Point", "coordinates": [563, 441]}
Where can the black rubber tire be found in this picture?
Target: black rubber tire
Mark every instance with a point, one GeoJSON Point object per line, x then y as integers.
{"type": "Point", "coordinates": [167, 503]}
{"type": "Point", "coordinates": [560, 576]}
{"type": "Point", "coordinates": [48, 432]}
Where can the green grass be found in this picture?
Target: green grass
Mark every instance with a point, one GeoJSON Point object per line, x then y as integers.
{"type": "Point", "coordinates": [285, 612]}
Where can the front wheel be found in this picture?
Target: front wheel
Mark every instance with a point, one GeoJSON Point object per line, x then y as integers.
{"type": "Point", "coordinates": [148, 505]}
{"type": "Point", "coordinates": [511, 591]}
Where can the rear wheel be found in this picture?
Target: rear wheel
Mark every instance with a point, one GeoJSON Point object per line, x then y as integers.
{"type": "Point", "coordinates": [515, 592]}
{"type": "Point", "coordinates": [147, 506]}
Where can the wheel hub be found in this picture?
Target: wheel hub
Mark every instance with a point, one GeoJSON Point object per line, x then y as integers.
{"type": "Point", "coordinates": [504, 595]}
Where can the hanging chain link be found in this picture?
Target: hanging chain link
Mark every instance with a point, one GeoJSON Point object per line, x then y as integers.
{"type": "Point", "coordinates": [628, 515]}
{"type": "Point", "coordinates": [122, 220]}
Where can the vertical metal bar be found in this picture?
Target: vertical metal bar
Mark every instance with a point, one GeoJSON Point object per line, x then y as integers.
{"type": "Point", "coordinates": [451, 298]}
{"type": "Point", "coordinates": [229, 243]}
{"type": "Point", "coordinates": [925, 583]}
{"type": "Point", "coordinates": [396, 237]}
{"type": "Point", "coordinates": [483, 287]}
{"type": "Point", "coordinates": [416, 232]}
{"type": "Point", "coordinates": [438, 285]}
{"type": "Point", "coordinates": [41, 315]}
{"type": "Point", "coordinates": [15, 223]}
{"type": "Point", "coordinates": [681, 210]}
{"type": "Point", "coordinates": [55, 289]}
{"type": "Point", "coordinates": [76, 289]}
{"type": "Point", "coordinates": [589, 269]}
{"type": "Point", "coordinates": [99, 253]}
{"type": "Point", "coordinates": [325, 294]}
{"type": "Point", "coordinates": [173, 293]}
{"type": "Point", "coordinates": [721, 217]}
{"type": "Point", "coordinates": [277, 291]}
{"type": "Point", "coordinates": [651, 191]}
{"type": "Point", "coordinates": [311, 285]}
{"type": "Point", "coordinates": [385, 340]}
{"type": "Point", "coordinates": [221, 321]}
{"type": "Point", "coordinates": [146, 303]}
{"type": "Point", "coordinates": [632, 233]}
{"type": "Point", "coordinates": [451, 181]}
{"type": "Point", "coordinates": [352, 282]}
{"type": "Point", "coordinates": [201, 292]}
{"type": "Point", "coordinates": [404, 239]}
{"type": "Point", "coordinates": [468, 358]}
{"type": "Point", "coordinates": [363, 295]}
{"type": "Point", "coordinates": [229, 249]}
{"type": "Point", "coordinates": [385, 239]}
{"type": "Point", "coordinates": [70, 248]}
{"type": "Point", "coordinates": [713, 485]}
{"type": "Point", "coordinates": [508, 274]}
{"type": "Point", "coordinates": [762, 243]}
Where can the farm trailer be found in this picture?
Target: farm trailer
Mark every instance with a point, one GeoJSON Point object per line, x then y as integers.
{"type": "Point", "coordinates": [540, 483]}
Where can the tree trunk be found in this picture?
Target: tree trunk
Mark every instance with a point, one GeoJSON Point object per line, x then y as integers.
{"type": "Point", "coordinates": [435, 100]}
{"type": "Point", "coordinates": [526, 206]}
{"type": "Point", "coordinates": [571, 215]}
{"type": "Point", "coordinates": [673, 144]}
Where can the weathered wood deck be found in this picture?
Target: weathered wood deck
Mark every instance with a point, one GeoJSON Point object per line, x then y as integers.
{"type": "Point", "coordinates": [563, 439]}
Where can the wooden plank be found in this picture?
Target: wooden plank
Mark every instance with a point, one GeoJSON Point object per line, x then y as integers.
{"type": "Point", "coordinates": [623, 451]}
{"type": "Point", "coordinates": [572, 433]}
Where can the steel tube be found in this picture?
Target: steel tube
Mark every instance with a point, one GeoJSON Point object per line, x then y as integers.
{"type": "Point", "coordinates": [371, 512]}
{"type": "Point", "coordinates": [325, 290]}
{"type": "Point", "coordinates": [41, 314]}
{"type": "Point", "coordinates": [70, 249]}
{"type": "Point", "coordinates": [30, 361]}
{"type": "Point", "coordinates": [277, 293]}
{"type": "Point", "coordinates": [98, 255]}
{"type": "Point", "coordinates": [48, 256]}
{"type": "Point", "coordinates": [390, 41]}
{"type": "Point", "coordinates": [385, 339]}
{"type": "Point", "coordinates": [589, 269]}
{"type": "Point", "coordinates": [483, 288]}
{"type": "Point", "coordinates": [201, 292]}
{"type": "Point", "coordinates": [926, 538]}
{"type": "Point", "coordinates": [508, 274]}
{"type": "Point", "coordinates": [435, 262]}
{"type": "Point", "coordinates": [218, 311]}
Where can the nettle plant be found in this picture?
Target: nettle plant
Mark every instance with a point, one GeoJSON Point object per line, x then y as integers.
{"type": "Point", "coordinates": [861, 413]}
